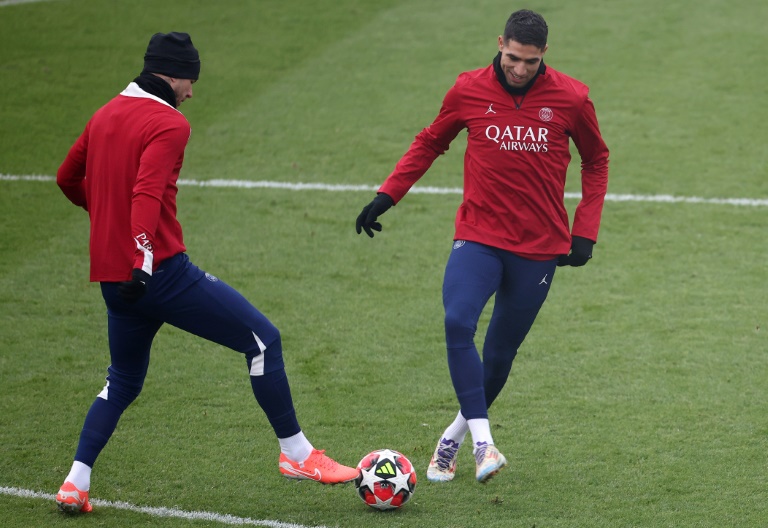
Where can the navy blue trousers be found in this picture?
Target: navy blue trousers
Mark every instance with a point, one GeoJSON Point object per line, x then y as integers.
{"type": "Point", "coordinates": [181, 294]}
{"type": "Point", "coordinates": [473, 274]}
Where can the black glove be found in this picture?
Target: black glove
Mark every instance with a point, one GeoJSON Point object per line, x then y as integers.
{"type": "Point", "coordinates": [367, 219]}
{"type": "Point", "coordinates": [134, 289]}
{"type": "Point", "coordinates": [581, 252]}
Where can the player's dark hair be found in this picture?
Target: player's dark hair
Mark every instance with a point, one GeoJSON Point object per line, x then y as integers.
{"type": "Point", "coordinates": [526, 27]}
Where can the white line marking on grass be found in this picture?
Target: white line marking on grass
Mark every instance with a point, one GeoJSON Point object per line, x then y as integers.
{"type": "Point", "coordinates": [26, 177]}
{"type": "Point", "coordinates": [161, 512]}
{"type": "Point", "coordinates": [249, 184]}
{"type": "Point", "coordinates": [4, 3]}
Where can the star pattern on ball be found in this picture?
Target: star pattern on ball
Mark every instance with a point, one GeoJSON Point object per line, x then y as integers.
{"type": "Point", "coordinates": [400, 482]}
{"type": "Point", "coordinates": [369, 479]}
{"type": "Point", "coordinates": [382, 482]}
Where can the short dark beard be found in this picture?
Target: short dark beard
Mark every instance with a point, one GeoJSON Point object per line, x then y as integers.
{"type": "Point", "coordinates": [502, 78]}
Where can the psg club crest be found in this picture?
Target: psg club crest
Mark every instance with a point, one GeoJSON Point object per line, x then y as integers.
{"type": "Point", "coordinates": [545, 114]}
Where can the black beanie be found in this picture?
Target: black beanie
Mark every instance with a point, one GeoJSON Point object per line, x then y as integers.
{"type": "Point", "coordinates": [172, 54]}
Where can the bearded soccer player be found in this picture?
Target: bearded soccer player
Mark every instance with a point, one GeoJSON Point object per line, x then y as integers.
{"type": "Point", "coordinates": [512, 228]}
{"type": "Point", "coordinates": [123, 170]}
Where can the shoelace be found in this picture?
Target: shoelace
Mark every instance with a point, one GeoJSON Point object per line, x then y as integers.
{"type": "Point", "coordinates": [480, 453]}
{"type": "Point", "coordinates": [445, 454]}
{"type": "Point", "coordinates": [324, 461]}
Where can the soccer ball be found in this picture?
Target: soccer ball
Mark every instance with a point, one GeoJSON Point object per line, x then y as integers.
{"type": "Point", "coordinates": [385, 480]}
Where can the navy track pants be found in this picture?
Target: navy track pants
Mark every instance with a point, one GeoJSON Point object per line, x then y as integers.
{"type": "Point", "coordinates": [473, 274]}
{"type": "Point", "coordinates": [181, 294]}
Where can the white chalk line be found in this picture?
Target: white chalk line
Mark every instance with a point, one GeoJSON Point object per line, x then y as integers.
{"type": "Point", "coordinates": [248, 184]}
{"type": "Point", "coordinates": [160, 512]}
{"type": "Point", "coordinates": [4, 3]}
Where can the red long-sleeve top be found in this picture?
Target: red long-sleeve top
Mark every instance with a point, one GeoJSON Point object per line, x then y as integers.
{"type": "Point", "coordinates": [123, 170]}
{"type": "Point", "coordinates": [515, 162]}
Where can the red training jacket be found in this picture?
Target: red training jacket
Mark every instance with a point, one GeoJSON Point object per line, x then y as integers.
{"type": "Point", "coordinates": [123, 170]}
{"type": "Point", "coordinates": [515, 162]}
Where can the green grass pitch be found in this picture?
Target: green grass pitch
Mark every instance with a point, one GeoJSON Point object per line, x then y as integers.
{"type": "Point", "coordinates": [638, 399]}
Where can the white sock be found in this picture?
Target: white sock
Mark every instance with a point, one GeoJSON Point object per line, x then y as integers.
{"type": "Point", "coordinates": [296, 447]}
{"type": "Point", "coordinates": [80, 476]}
{"type": "Point", "coordinates": [481, 431]}
{"type": "Point", "coordinates": [457, 430]}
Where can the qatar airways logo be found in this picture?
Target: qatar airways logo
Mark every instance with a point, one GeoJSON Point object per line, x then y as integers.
{"type": "Point", "coordinates": [525, 138]}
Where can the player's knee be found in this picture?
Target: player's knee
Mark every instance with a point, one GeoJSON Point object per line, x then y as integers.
{"type": "Point", "coordinates": [266, 359]}
{"type": "Point", "coordinates": [266, 337]}
{"type": "Point", "coordinates": [458, 329]}
{"type": "Point", "coordinates": [120, 394]}
{"type": "Point", "coordinates": [122, 388]}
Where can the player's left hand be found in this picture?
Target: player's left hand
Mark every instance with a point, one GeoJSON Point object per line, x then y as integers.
{"type": "Point", "coordinates": [134, 289]}
{"type": "Point", "coordinates": [366, 220]}
{"type": "Point", "coordinates": [581, 252]}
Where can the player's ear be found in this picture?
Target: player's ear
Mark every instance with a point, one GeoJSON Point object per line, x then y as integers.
{"type": "Point", "coordinates": [501, 42]}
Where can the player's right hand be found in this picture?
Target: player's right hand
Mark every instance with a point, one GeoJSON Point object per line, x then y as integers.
{"type": "Point", "coordinates": [371, 212]}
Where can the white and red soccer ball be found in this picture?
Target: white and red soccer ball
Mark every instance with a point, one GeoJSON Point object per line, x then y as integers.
{"type": "Point", "coordinates": [386, 479]}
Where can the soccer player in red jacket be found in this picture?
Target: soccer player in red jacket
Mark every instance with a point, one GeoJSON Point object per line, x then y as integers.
{"type": "Point", "coordinates": [512, 228]}
{"type": "Point", "coordinates": [123, 170]}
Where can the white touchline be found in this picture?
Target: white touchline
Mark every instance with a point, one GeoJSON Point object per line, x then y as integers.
{"type": "Point", "coordinates": [340, 187]}
{"type": "Point", "coordinates": [162, 512]}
